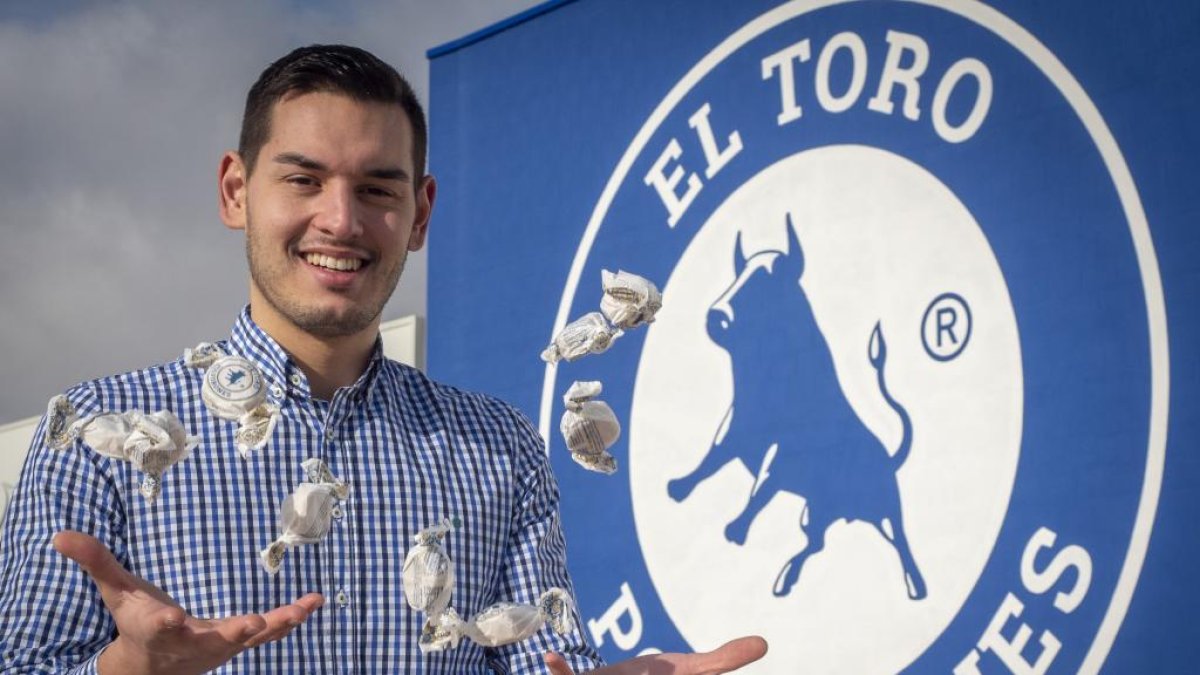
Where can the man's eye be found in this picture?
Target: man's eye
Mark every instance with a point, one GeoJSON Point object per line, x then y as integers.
{"type": "Point", "coordinates": [303, 181]}
{"type": "Point", "coordinates": [376, 191]}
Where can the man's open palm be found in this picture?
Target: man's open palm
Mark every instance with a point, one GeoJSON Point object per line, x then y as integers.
{"type": "Point", "coordinates": [155, 633]}
{"type": "Point", "coordinates": [726, 658]}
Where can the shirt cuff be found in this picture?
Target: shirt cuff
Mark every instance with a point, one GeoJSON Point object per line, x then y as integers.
{"type": "Point", "coordinates": [89, 667]}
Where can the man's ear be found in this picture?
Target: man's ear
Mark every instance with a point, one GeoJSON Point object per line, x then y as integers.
{"type": "Point", "coordinates": [231, 190]}
{"type": "Point", "coordinates": [426, 195]}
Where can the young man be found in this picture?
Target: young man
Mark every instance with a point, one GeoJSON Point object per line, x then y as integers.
{"type": "Point", "coordinates": [328, 186]}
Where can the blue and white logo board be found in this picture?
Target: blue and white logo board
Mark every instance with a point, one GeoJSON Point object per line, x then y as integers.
{"type": "Point", "coordinates": [906, 403]}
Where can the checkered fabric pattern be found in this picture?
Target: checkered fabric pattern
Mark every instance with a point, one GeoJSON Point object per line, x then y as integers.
{"type": "Point", "coordinates": [413, 451]}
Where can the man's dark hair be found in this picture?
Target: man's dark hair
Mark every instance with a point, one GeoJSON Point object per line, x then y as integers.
{"type": "Point", "coordinates": [337, 69]}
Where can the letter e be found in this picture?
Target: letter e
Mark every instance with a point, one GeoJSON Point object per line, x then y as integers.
{"type": "Point", "coordinates": [1010, 651]}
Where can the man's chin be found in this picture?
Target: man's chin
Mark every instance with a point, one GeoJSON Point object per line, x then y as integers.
{"type": "Point", "coordinates": [332, 323]}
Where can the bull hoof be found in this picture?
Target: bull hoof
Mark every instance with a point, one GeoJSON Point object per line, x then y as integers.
{"type": "Point", "coordinates": [677, 490]}
{"type": "Point", "coordinates": [786, 581]}
{"type": "Point", "coordinates": [735, 534]}
{"type": "Point", "coordinates": [916, 587]}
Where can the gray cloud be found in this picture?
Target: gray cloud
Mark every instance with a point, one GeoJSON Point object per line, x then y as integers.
{"type": "Point", "coordinates": [112, 121]}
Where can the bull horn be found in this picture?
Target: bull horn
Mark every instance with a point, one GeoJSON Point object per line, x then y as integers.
{"type": "Point", "coordinates": [795, 253]}
{"type": "Point", "coordinates": [739, 256]}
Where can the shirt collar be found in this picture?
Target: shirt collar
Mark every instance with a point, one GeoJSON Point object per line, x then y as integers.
{"type": "Point", "coordinates": [281, 373]}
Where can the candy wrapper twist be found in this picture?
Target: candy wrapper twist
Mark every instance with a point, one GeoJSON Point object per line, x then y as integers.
{"type": "Point", "coordinates": [501, 624]}
{"type": "Point", "coordinates": [60, 418]}
{"type": "Point", "coordinates": [318, 472]}
{"type": "Point", "coordinates": [589, 427]}
{"type": "Point", "coordinates": [202, 355]}
{"type": "Point", "coordinates": [629, 301]}
{"type": "Point", "coordinates": [304, 518]}
{"type": "Point", "coordinates": [152, 442]}
{"type": "Point", "coordinates": [589, 334]}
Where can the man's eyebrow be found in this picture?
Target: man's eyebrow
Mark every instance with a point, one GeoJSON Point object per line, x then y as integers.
{"type": "Point", "coordinates": [390, 173]}
{"type": "Point", "coordinates": [383, 173]}
{"type": "Point", "coordinates": [300, 161]}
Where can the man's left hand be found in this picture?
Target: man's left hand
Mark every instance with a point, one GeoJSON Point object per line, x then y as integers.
{"type": "Point", "coordinates": [726, 658]}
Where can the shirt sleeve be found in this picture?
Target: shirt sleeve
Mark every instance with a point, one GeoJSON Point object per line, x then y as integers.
{"type": "Point", "coordinates": [537, 561]}
{"type": "Point", "coordinates": [52, 619]}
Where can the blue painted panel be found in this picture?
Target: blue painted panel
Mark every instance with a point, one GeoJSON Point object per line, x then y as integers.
{"type": "Point", "coordinates": [925, 369]}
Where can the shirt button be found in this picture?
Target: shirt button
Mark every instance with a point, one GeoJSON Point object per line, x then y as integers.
{"type": "Point", "coordinates": [342, 599]}
{"type": "Point", "coordinates": [336, 512]}
{"type": "Point", "coordinates": [296, 380]}
{"type": "Point", "coordinates": [329, 433]}
{"type": "Point", "coordinates": [276, 391]}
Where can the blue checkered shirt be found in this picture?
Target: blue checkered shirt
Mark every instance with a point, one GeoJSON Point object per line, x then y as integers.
{"type": "Point", "coordinates": [413, 451]}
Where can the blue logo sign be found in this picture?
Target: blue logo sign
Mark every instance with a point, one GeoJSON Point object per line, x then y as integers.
{"type": "Point", "coordinates": [885, 401]}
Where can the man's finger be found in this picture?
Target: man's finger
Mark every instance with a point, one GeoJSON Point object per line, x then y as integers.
{"type": "Point", "coordinates": [240, 629]}
{"type": "Point", "coordinates": [557, 664]}
{"type": "Point", "coordinates": [95, 559]}
{"type": "Point", "coordinates": [280, 621]}
{"type": "Point", "coordinates": [731, 655]}
{"type": "Point", "coordinates": [311, 602]}
{"type": "Point", "coordinates": [170, 618]}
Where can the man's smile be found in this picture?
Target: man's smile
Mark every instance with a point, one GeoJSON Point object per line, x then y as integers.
{"type": "Point", "coordinates": [341, 264]}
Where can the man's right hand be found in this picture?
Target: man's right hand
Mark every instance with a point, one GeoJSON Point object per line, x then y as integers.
{"type": "Point", "coordinates": [155, 634]}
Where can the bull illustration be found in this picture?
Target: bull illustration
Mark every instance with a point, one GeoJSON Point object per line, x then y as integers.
{"type": "Point", "coordinates": [824, 452]}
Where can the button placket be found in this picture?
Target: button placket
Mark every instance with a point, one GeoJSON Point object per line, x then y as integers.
{"type": "Point", "coordinates": [340, 548]}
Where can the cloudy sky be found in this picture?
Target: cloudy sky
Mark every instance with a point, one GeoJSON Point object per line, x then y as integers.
{"type": "Point", "coordinates": [112, 119]}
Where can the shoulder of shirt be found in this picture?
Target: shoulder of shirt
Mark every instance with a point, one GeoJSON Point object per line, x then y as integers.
{"type": "Point", "coordinates": [449, 396]}
{"type": "Point", "coordinates": [133, 389]}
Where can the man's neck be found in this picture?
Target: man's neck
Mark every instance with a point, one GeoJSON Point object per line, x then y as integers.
{"type": "Point", "coordinates": [329, 363]}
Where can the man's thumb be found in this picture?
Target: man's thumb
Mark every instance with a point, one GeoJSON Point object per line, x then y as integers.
{"type": "Point", "coordinates": [94, 558]}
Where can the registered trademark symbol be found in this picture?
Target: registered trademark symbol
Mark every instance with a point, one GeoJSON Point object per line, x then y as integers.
{"type": "Point", "coordinates": [946, 327]}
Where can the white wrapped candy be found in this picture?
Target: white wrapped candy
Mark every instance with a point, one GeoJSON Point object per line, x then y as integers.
{"type": "Point", "coordinates": [501, 624]}
{"type": "Point", "coordinates": [304, 518]}
{"type": "Point", "coordinates": [428, 573]}
{"type": "Point", "coordinates": [60, 416]}
{"type": "Point", "coordinates": [318, 472]}
{"type": "Point", "coordinates": [234, 390]}
{"type": "Point", "coordinates": [152, 443]}
{"type": "Point", "coordinates": [629, 300]}
{"type": "Point", "coordinates": [589, 427]}
{"type": "Point", "coordinates": [202, 355]}
{"type": "Point", "coordinates": [589, 334]}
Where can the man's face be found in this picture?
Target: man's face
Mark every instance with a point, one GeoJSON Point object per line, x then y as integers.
{"type": "Point", "coordinates": [330, 212]}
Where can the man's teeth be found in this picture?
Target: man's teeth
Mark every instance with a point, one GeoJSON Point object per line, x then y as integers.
{"type": "Point", "coordinates": [341, 264]}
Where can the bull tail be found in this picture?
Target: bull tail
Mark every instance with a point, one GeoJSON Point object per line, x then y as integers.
{"type": "Point", "coordinates": [877, 352]}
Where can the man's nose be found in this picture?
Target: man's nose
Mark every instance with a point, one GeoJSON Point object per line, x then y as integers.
{"type": "Point", "coordinates": [339, 212]}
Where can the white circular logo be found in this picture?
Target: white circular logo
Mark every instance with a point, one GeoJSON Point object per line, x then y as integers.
{"type": "Point", "coordinates": [784, 479]}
